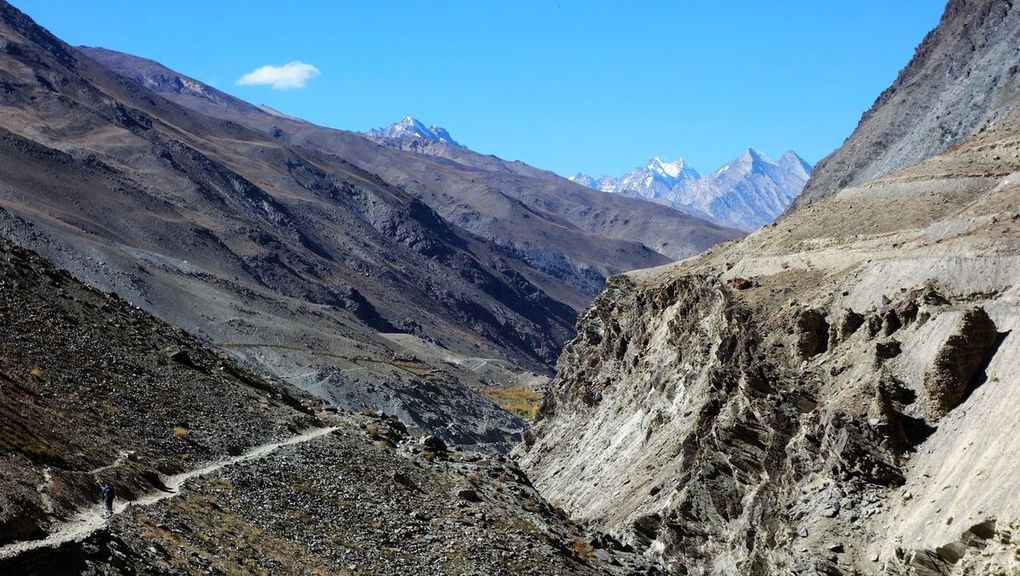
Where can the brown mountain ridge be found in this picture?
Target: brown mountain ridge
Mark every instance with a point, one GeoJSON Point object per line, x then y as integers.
{"type": "Point", "coordinates": [316, 258]}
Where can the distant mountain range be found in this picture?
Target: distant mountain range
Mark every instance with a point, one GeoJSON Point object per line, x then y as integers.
{"type": "Point", "coordinates": [747, 192]}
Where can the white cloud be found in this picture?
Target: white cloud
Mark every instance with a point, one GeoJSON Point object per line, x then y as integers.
{"type": "Point", "coordinates": [291, 75]}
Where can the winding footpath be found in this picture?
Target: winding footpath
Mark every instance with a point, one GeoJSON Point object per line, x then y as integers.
{"type": "Point", "coordinates": [93, 518]}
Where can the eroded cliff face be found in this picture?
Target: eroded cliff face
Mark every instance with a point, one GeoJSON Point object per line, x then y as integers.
{"type": "Point", "coordinates": [832, 395]}
{"type": "Point", "coordinates": [660, 423]}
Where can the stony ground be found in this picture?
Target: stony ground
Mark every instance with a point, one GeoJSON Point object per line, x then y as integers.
{"type": "Point", "coordinates": [93, 389]}
{"type": "Point", "coordinates": [366, 499]}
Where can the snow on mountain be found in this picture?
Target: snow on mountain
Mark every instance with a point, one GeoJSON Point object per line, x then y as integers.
{"type": "Point", "coordinates": [411, 128]}
{"type": "Point", "coordinates": [655, 181]}
{"type": "Point", "coordinates": [605, 184]}
{"type": "Point", "coordinates": [584, 180]}
{"type": "Point", "coordinates": [747, 192]}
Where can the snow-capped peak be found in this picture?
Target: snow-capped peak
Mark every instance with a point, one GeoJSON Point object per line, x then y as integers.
{"type": "Point", "coordinates": [755, 155]}
{"type": "Point", "coordinates": [670, 169]}
{"type": "Point", "coordinates": [675, 170]}
{"type": "Point", "coordinates": [410, 128]}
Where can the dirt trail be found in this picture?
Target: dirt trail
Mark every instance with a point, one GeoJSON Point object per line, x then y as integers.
{"type": "Point", "coordinates": [121, 458]}
{"type": "Point", "coordinates": [93, 518]}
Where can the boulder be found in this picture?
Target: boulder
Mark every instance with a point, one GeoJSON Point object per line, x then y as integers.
{"type": "Point", "coordinates": [469, 495]}
{"type": "Point", "coordinates": [741, 283]}
{"type": "Point", "coordinates": [887, 350]}
{"type": "Point", "coordinates": [432, 443]}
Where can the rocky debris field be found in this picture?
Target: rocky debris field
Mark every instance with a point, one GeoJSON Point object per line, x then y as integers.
{"type": "Point", "coordinates": [93, 389]}
{"type": "Point", "coordinates": [366, 499]}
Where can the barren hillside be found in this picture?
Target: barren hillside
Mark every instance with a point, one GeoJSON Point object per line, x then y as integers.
{"type": "Point", "coordinates": [217, 470]}
{"type": "Point", "coordinates": [963, 76]}
{"type": "Point", "coordinates": [292, 258]}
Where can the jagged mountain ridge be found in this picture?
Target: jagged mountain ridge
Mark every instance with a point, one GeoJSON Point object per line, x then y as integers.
{"type": "Point", "coordinates": [831, 395]}
{"type": "Point", "coordinates": [747, 192]}
{"type": "Point", "coordinates": [655, 181]}
{"type": "Point", "coordinates": [559, 227]}
{"type": "Point", "coordinates": [410, 128]}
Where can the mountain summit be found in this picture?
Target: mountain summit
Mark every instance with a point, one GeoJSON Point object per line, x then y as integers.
{"type": "Point", "coordinates": [747, 192]}
{"type": "Point", "coordinates": [411, 128]}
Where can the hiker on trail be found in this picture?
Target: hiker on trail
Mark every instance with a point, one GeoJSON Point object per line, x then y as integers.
{"type": "Point", "coordinates": [108, 498]}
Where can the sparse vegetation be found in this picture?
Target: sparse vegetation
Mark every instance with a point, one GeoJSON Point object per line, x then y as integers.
{"type": "Point", "coordinates": [521, 401]}
{"type": "Point", "coordinates": [582, 549]}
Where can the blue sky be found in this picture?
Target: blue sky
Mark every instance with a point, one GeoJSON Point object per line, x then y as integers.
{"type": "Point", "coordinates": [598, 87]}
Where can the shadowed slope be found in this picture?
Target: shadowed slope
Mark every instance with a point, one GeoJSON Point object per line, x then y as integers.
{"type": "Point", "coordinates": [290, 258]}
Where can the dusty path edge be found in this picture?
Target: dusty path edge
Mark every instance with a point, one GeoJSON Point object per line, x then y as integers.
{"type": "Point", "coordinates": [91, 519]}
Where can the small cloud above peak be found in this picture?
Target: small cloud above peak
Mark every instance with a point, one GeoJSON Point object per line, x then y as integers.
{"type": "Point", "coordinates": [290, 75]}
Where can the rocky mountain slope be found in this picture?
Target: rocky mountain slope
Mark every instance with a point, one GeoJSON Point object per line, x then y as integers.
{"type": "Point", "coordinates": [562, 229]}
{"type": "Point", "coordinates": [831, 395]}
{"type": "Point", "coordinates": [292, 258]}
{"type": "Point", "coordinates": [963, 76]}
{"type": "Point", "coordinates": [88, 380]}
{"type": "Point", "coordinates": [746, 193]}
{"type": "Point", "coordinates": [217, 470]}
{"type": "Point", "coordinates": [291, 261]}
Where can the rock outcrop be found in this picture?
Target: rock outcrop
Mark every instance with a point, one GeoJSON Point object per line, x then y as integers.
{"type": "Point", "coordinates": [758, 430]}
{"type": "Point", "coordinates": [956, 366]}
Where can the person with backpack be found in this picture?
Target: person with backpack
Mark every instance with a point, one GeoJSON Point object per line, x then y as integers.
{"type": "Point", "coordinates": [108, 498]}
